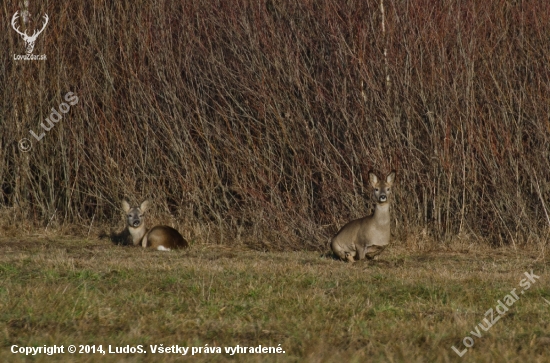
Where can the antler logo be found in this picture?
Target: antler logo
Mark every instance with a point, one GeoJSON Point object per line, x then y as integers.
{"type": "Point", "coordinates": [29, 40]}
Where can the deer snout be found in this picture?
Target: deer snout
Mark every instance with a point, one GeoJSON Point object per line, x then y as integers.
{"type": "Point", "coordinates": [382, 198]}
{"type": "Point", "coordinates": [136, 223]}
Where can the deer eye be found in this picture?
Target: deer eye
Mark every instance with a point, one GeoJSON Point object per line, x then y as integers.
{"type": "Point", "coordinates": [376, 189]}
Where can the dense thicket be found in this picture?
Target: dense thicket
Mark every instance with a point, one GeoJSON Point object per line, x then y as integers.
{"type": "Point", "coordinates": [260, 119]}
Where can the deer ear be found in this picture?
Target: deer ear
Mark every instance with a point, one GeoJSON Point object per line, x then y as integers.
{"type": "Point", "coordinates": [373, 179]}
{"type": "Point", "coordinates": [125, 206]}
{"type": "Point", "coordinates": [144, 205]}
{"type": "Point", "coordinates": [391, 177]}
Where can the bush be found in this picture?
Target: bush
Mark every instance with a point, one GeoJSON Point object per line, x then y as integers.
{"type": "Point", "coordinates": [261, 119]}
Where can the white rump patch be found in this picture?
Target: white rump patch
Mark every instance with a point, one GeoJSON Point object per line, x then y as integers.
{"type": "Point", "coordinates": [162, 248]}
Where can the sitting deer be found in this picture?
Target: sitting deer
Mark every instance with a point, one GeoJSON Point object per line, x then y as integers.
{"type": "Point", "coordinates": [367, 236]}
{"type": "Point", "coordinates": [161, 238]}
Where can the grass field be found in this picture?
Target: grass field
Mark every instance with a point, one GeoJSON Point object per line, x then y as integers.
{"type": "Point", "coordinates": [409, 306]}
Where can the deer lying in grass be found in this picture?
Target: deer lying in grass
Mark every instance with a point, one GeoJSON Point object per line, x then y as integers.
{"type": "Point", "coordinates": [367, 236]}
{"type": "Point", "coordinates": [161, 238]}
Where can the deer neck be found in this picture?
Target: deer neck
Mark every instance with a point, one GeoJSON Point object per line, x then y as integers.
{"type": "Point", "coordinates": [382, 214]}
{"type": "Point", "coordinates": [137, 233]}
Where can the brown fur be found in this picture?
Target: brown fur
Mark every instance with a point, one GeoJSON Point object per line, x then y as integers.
{"type": "Point", "coordinates": [164, 236]}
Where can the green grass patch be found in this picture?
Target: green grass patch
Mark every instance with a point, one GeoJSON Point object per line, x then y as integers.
{"type": "Point", "coordinates": [406, 308]}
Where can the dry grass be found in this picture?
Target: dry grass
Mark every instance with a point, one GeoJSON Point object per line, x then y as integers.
{"type": "Point", "coordinates": [260, 119]}
{"type": "Point", "coordinates": [251, 125]}
{"type": "Point", "coordinates": [407, 307]}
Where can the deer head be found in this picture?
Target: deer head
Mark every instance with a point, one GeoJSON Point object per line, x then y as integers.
{"type": "Point", "coordinates": [29, 40]}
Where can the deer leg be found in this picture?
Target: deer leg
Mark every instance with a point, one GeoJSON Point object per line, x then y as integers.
{"type": "Point", "coordinates": [374, 251]}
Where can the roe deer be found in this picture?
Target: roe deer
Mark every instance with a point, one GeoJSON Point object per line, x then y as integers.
{"type": "Point", "coordinates": [162, 238]}
{"type": "Point", "coordinates": [367, 236]}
